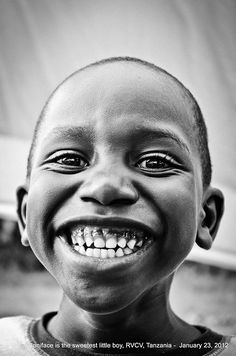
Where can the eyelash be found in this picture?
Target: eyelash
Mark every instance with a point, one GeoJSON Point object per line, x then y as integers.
{"type": "Point", "coordinates": [162, 161]}
{"type": "Point", "coordinates": [61, 159]}
{"type": "Point", "coordinates": [165, 159]}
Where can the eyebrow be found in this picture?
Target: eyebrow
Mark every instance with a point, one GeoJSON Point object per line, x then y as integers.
{"type": "Point", "coordinates": [78, 132]}
{"type": "Point", "coordinates": [153, 134]}
{"type": "Point", "coordinates": [73, 132]}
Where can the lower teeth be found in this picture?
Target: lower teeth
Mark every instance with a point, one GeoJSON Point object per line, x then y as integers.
{"type": "Point", "coordinates": [103, 252]}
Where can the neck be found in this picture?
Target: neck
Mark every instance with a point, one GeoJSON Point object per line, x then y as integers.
{"type": "Point", "coordinates": [148, 319]}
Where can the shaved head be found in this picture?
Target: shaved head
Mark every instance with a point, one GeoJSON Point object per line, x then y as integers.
{"type": "Point", "coordinates": [86, 73]}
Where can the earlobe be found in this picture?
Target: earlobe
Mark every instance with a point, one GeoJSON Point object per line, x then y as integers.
{"type": "Point", "coordinates": [210, 217]}
{"type": "Point", "coordinates": [21, 196]}
{"type": "Point", "coordinates": [24, 238]}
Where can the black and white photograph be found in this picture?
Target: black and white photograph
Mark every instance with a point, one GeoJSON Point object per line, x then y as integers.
{"type": "Point", "coordinates": [117, 184]}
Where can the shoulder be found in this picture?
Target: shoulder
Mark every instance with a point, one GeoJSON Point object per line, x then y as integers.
{"type": "Point", "coordinates": [230, 347]}
{"type": "Point", "coordinates": [226, 347]}
{"type": "Point", "coordinates": [14, 325]}
{"type": "Point", "coordinates": [14, 338]}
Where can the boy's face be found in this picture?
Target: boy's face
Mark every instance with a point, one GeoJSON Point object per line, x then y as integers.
{"type": "Point", "coordinates": [116, 152]}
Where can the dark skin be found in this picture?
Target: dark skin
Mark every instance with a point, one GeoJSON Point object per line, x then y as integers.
{"type": "Point", "coordinates": [117, 147]}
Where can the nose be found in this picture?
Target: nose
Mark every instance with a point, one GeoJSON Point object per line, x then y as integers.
{"type": "Point", "coordinates": [107, 189]}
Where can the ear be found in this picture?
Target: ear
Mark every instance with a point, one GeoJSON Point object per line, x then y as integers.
{"type": "Point", "coordinates": [210, 217]}
{"type": "Point", "coordinates": [21, 197]}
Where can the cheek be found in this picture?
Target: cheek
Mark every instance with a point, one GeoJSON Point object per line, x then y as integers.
{"type": "Point", "coordinates": [47, 193]}
{"type": "Point", "coordinates": [183, 208]}
{"type": "Point", "coordinates": [182, 220]}
{"type": "Point", "coordinates": [178, 203]}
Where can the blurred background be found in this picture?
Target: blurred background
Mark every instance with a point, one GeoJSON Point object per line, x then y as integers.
{"type": "Point", "coordinates": [44, 41]}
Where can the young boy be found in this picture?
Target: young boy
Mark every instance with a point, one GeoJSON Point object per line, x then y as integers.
{"type": "Point", "coordinates": [117, 192]}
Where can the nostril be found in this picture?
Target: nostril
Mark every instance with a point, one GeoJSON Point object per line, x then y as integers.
{"type": "Point", "coordinates": [113, 202]}
{"type": "Point", "coordinates": [123, 201]}
{"type": "Point", "coordinates": [86, 199]}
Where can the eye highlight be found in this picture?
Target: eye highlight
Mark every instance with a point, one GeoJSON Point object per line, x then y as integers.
{"type": "Point", "coordinates": [156, 162]}
{"type": "Point", "coordinates": [68, 160]}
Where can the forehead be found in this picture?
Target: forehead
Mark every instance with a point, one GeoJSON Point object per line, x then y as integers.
{"type": "Point", "coordinates": [116, 98]}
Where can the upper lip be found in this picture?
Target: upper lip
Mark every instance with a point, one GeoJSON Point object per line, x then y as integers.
{"type": "Point", "coordinates": [104, 222]}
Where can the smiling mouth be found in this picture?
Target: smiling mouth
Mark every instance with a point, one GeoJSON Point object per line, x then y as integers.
{"type": "Point", "coordinates": [105, 243]}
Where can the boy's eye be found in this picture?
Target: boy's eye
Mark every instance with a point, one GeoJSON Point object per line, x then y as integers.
{"type": "Point", "coordinates": [156, 162]}
{"type": "Point", "coordinates": [73, 161]}
{"type": "Point", "coordinates": [70, 160]}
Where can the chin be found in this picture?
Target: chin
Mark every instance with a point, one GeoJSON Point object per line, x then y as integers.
{"type": "Point", "coordinates": [104, 301]}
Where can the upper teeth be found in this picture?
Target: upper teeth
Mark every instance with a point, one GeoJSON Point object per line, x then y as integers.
{"type": "Point", "coordinates": [106, 243]}
{"type": "Point", "coordinates": [111, 242]}
{"type": "Point", "coordinates": [99, 242]}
